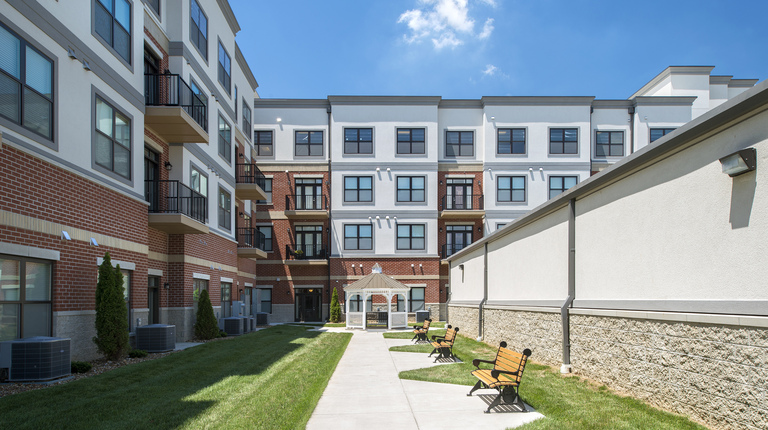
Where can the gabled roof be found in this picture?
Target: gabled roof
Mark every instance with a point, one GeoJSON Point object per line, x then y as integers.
{"type": "Point", "coordinates": [378, 282]}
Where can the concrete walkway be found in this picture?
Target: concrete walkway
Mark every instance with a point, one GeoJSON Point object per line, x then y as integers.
{"type": "Point", "coordinates": [365, 392]}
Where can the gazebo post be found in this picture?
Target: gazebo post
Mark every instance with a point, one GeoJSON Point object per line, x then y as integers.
{"type": "Point", "coordinates": [389, 311]}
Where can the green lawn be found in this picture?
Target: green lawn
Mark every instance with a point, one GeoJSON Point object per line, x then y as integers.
{"type": "Point", "coordinates": [269, 379]}
{"type": "Point", "coordinates": [566, 402]}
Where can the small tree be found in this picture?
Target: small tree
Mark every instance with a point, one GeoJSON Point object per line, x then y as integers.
{"type": "Point", "coordinates": [111, 314]}
{"type": "Point", "coordinates": [206, 326]}
{"type": "Point", "coordinates": [335, 307]}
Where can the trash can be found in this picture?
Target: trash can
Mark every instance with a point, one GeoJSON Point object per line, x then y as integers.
{"type": "Point", "coordinates": [421, 316]}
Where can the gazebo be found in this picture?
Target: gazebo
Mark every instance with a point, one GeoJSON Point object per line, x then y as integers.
{"type": "Point", "coordinates": [376, 283]}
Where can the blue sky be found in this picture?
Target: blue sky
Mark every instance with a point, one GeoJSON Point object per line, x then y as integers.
{"type": "Point", "coordinates": [474, 48]}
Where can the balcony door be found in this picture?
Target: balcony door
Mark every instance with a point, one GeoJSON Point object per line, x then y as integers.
{"type": "Point", "coordinates": [151, 178]}
{"type": "Point", "coordinates": [309, 240]}
{"type": "Point", "coordinates": [309, 194]}
{"type": "Point", "coordinates": [458, 237]}
{"type": "Point", "coordinates": [459, 194]}
{"type": "Point", "coordinates": [151, 83]}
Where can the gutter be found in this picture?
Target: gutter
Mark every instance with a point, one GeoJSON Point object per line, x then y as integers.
{"type": "Point", "coordinates": [330, 215]}
{"type": "Point", "coordinates": [564, 310]}
{"type": "Point", "coordinates": [480, 327]}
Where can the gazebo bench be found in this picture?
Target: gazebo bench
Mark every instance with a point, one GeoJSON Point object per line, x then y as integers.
{"type": "Point", "coordinates": [444, 344]}
{"type": "Point", "coordinates": [420, 332]}
{"type": "Point", "coordinates": [505, 376]}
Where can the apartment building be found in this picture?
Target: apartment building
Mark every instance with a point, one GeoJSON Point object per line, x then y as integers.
{"type": "Point", "coordinates": [126, 128]}
{"type": "Point", "coordinates": [405, 182]}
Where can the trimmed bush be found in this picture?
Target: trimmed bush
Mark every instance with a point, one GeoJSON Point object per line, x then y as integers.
{"type": "Point", "coordinates": [138, 353]}
{"type": "Point", "coordinates": [335, 307]}
{"type": "Point", "coordinates": [111, 313]}
{"type": "Point", "coordinates": [206, 326]}
{"type": "Point", "coordinates": [222, 333]}
{"type": "Point", "coordinates": [81, 366]}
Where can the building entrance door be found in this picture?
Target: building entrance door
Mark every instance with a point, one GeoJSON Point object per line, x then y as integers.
{"type": "Point", "coordinates": [308, 302]}
{"type": "Point", "coordinates": [153, 299]}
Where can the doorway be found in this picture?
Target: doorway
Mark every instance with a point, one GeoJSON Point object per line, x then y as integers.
{"type": "Point", "coordinates": [308, 301]}
{"type": "Point", "coordinates": [153, 299]}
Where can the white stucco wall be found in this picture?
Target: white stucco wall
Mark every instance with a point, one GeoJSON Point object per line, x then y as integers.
{"type": "Point", "coordinates": [467, 282]}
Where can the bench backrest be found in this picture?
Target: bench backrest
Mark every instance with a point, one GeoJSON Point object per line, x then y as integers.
{"type": "Point", "coordinates": [511, 361]}
{"type": "Point", "coordinates": [450, 335]}
{"type": "Point", "coordinates": [427, 322]}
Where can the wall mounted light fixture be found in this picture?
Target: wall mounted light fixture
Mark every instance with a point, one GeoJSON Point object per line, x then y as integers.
{"type": "Point", "coordinates": [167, 286]}
{"type": "Point", "coordinates": [740, 162]}
{"type": "Point", "coordinates": [168, 166]}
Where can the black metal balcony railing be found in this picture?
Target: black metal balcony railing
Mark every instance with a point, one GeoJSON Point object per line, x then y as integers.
{"type": "Point", "coordinates": [171, 90]}
{"type": "Point", "coordinates": [248, 173]}
{"type": "Point", "coordinates": [249, 237]}
{"type": "Point", "coordinates": [463, 202]}
{"type": "Point", "coordinates": [175, 197]}
{"type": "Point", "coordinates": [305, 202]}
{"type": "Point", "coordinates": [453, 248]}
{"type": "Point", "coordinates": [305, 252]}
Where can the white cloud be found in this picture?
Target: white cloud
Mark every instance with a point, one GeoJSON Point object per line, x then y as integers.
{"type": "Point", "coordinates": [487, 29]}
{"type": "Point", "coordinates": [490, 70]}
{"type": "Point", "coordinates": [491, 3]}
{"type": "Point", "coordinates": [446, 22]}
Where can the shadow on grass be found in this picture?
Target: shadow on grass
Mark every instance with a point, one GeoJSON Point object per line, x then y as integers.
{"type": "Point", "coordinates": [267, 379]}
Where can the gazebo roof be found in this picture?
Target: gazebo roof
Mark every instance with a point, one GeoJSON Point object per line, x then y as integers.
{"type": "Point", "coordinates": [376, 282]}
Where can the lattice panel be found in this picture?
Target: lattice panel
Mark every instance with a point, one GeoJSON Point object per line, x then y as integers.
{"type": "Point", "coordinates": [399, 319]}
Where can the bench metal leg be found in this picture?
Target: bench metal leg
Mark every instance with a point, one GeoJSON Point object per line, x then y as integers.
{"type": "Point", "coordinates": [477, 386]}
{"type": "Point", "coordinates": [508, 396]}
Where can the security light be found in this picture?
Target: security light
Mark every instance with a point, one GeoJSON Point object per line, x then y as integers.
{"type": "Point", "coordinates": [739, 162]}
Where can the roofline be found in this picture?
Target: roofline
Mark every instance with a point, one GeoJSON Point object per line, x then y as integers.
{"type": "Point", "coordinates": [738, 108]}
{"type": "Point", "coordinates": [743, 83]}
{"type": "Point", "coordinates": [720, 79]}
{"type": "Point", "coordinates": [384, 100]}
{"type": "Point", "coordinates": [245, 67]}
{"type": "Point", "coordinates": [229, 15]}
{"type": "Point", "coordinates": [612, 104]}
{"type": "Point", "coordinates": [291, 103]}
{"type": "Point", "coordinates": [664, 100]}
{"type": "Point", "coordinates": [536, 100]}
{"type": "Point", "coordinates": [673, 70]}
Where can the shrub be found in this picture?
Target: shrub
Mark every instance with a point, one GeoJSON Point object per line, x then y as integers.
{"type": "Point", "coordinates": [138, 353]}
{"type": "Point", "coordinates": [81, 366]}
{"type": "Point", "coordinates": [222, 333]}
{"type": "Point", "coordinates": [111, 313]}
{"type": "Point", "coordinates": [206, 326]}
{"type": "Point", "coordinates": [335, 307]}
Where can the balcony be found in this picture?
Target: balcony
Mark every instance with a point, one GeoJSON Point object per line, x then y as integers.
{"type": "Point", "coordinates": [462, 206]}
{"type": "Point", "coordinates": [249, 182]}
{"type": "Point", "coordinates": [251, 243]}
{"type": "Point", "coordinates": [175, 208]}
{"type": "Point", "coordinates": [306, 206]}
{"type": "Point", "coordinates": [451, 249]}
{"type": "Point", "coordinates": [306, 255]}
{"type": "Point", "coordinates": [173, 111]}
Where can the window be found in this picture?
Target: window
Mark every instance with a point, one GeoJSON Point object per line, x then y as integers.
{"type": "Point", "coordinates": [225, 209]}
{"type": "Point", "coordinates": [458, 194]}
{"type": "Point", "coordinates": [657, 133]}
{"type": "Point", "coordinates": [26, 85]}
{"type": "Point", "coordinates": [410, 188]}
{"type": "Point", "coordinates": [198, 286]}
{"type": "Point", "coordinates": [265, 297]}
{"type": "Point", "coordinates": [309, 143]}
{"type": "Point", "coordinates": [410, 141]}
{"type": "Point", "coordinates": [459, 144]}
{"type": "Point", "coordinates": [358, 189]}
{"type": "Point", "coordinates": [202, 99]}
{"type": "Point", "coordinates": [355, 302]}
{"type": "Point", "coordinates": [609, 144]}
{"type": "Point", "coordinates": [510, 189]}
{"type": "Point", "coordinates": [262, 140]}
{"type": "Point", "coordinates": [25, 298]}
{"type": "Point", "coordinates": [266, 230]}
{"type": "Point", "coordinates": [113, 24]}
{"type": "Point", "coordinates": [127, 275]}
{"type": "Point", "coordinates": [510, 141]}
{"type": "Point", "coordinates": [563, 141]}
{"type": "Point", "coordinates": [225, 70]}
{"type": "Point", "coordinates": [558, 184]}
{"type": "Point", "coordinates": [358, 141]}
{"type": "Point", "coordinates": [198, 28]}
{"type": "Point", "coordinates": [358, 236]}
{"type": "Point", "coordinates": [457, 237]}
{"type": "Point", "coordinates": [416, 299]}
{"type": "Point", "coordinates": [198, 182]}
{"type": "Point", "coordinates": [226, 299]}
{"type": "Point", "coordinates": [225, 139]}
{"type": "Point", "coordinates": [247, 130]}
{"type": "Point", "coordinates": [309, 194]}
{"type": "Point", "coordinates": [267, 187]}
{"type": "Point", "coordinates": [113, 139]}
{"type": "Point", "coordinates": [410, 236]}
{"type": "Point", "coordinates": [154, 5]}
{"type": "Point", "coordinates": [309, 240]}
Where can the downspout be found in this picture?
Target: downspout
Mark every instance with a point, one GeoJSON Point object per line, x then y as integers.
{"type": "Point", "coordinates": [564, 313]}
{"type": "Point", "coordinates": [330, 217]}
{"type": "Point", "coordinates": [485, 294]}
{"type": "Point", "coordinates": [631, 112]}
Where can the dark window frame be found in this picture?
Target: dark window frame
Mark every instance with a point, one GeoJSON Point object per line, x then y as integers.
{"type": "Point", "coordinates": [512, 141]}
{"type": "Point", "coordinates": [257, 142]}
{"type": "Point", "coordinates": [358, 190]}
{"type": "Point", "coordinates": [267, 189]}
{"type": "Point", "coordinates": [262, 301]}
{"type": "Point", "coordinates": [22, 299]}
{"type": "Point", "coordinates": [562, 142]}
{"type": "Point", "coordinates": [247, 120]}
{"type": "Point", "coordinates": [411, 237]}
{"type": "Point", "coordinates": [511, 189]}
{"type": "Point", "coordinates": [225, 143]}
{"type": "Point", "coordinates": [268, 241]}
{"type": "Point", "coordinates": [411, 300]}
{"type": "Point", "coordinates": [195, 33]}
{"type": "Point", "coordinates": [154, 5]}
{"type": "Point", "coordinates": [664, 131]}
{"type": "Point", "coordinates": [358, 237]}
{"type": "Point", "coordinates": [96, 132]}
{"type": "Point", "coordinates": [610, 146]}
{"type": "Point", "coordinates": [357, 141]}
{"type": "Point", "coordinates": [461, 143]}
{"type": "Point", "coordinates": [110, 44]}
{"type": "Point", "coordinates": [561, 189]}
{"type": "Point", "coordinates": [225, 213]}
{"type": "Point", "coordinates": [225, 70]}
{"type": "Point", "coordinates": [309, 144]}
{"type": "Point", "coordinates": [411, 141]}
{"type": "Point", "coordinates": [410, 189]}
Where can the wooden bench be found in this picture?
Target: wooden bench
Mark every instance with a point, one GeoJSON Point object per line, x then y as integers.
{"type": "Point", "coordinates": [444, 344]}
{"type": "Point", "coordinates": [504, 377]}
{"type": "Point", "coordinates": [420, 332]}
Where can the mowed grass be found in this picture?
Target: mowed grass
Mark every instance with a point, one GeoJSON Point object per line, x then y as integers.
{"type": "Point", "coordinates": [567, 402]}
{"type": "Point", "coordinates": [271, 379]}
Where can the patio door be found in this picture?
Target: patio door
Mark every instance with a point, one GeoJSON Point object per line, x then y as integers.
{"type": "Point", "coordinates": [153, 299]}
{"type": "Point", "coordinates": [459, 194]}
{"type": "Point", "coordinates": [309, 239]}
{"type": "Point", "coordinates": [458, 237]}
{"type": "Point", "coordinates": [308, 301]}
{"type": "Point", "coordinates": [151, 176]}
{"type": "Point", "coordinates": [309, 194]}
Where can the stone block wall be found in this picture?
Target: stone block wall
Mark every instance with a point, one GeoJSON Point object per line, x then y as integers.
{"type": "Point", "coordinates": [540, 331]}
{"type": "Point", "coordinates": [465, 318]}
{"type": "Point", "coordinates": [715, 374]}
